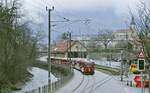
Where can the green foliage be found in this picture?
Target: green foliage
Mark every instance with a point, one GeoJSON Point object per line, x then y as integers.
{"type": "Point", "coordinates": [64, 36]}
{"type": "Point", "coordinates": [108, 70]}
{"type": "Point", "coordinates": [99, 50]}
{"type": "Point", "coordinates": [124, 45]}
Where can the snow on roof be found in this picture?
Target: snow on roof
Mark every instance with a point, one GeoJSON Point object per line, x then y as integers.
{"type": "Point", "coordinates": [63, 46]}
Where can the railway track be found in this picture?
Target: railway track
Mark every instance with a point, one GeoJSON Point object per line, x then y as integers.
{"type": "Point", "coordinates": [78, 86]}
{"type": "Point", "coordinates": [82, 86]}
{"type": "Point", "coordinates": [86, 84]}
{"type": "Point", "coordinates": [89, 84]}
{"type": "Point", "coordinates": [97, 84]}
{"type": "Point", "coordinates": [92, 88]}
{"type": "Point", "coordinates": [101, 84]}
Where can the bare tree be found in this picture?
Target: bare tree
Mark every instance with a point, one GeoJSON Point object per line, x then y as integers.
{"type": "Point", "coordinates": [105, 36]}
{"type": "Point", "coordinates": [64, 36]}
{"type": "Point", "coordinates": [143, 30]}
{"type": "Point", "coordinates": [18, 48]}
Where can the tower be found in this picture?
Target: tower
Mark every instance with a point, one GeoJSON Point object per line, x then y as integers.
{"type": "Point", "coordinates": [132, 24]}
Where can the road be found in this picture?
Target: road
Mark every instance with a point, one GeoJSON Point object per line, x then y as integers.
{"type": "Point", "coordinates": [98, 83]}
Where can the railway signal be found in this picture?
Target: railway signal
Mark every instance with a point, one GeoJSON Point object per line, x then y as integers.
{"type": "Point", "coordinates": [141, 67]}
{"type": "Point", "coordinates": [141, 61]}
{"type": "Point", "coordinates": [141, 64]}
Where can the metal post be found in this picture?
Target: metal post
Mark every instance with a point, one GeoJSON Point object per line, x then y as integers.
{"type": "Point", "coordinates": [149, 76]}
{"type": "Point", "coordinates": [121, 76]}
{"type": "Point", "coordinates": [67, 46]}
{"type": "Point", "coordinates": [126, 63]}
{"type": "Point", "coordinates": [6, 3]}
{"type": "Point", "coordinates": [70, 50]}
{"type": "Point", "coordinates": [39, 90]}
{"type": "Point", "coordinates": [142, 83]}
{"type": "Point", "coordinates": [109, 57]}
{"type": "Point", "coordinates": [70, 45]}
{"type": "Point", "coordinates": [49, 49]}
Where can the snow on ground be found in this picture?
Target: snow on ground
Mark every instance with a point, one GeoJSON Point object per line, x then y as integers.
{"type": "Point", "coordinates": [134, 90]}
{"type": "Point", "coordinates": [39, 79]}
{"type": "Point", "coordinates": [43, 59]}
{"type": "Point", "coordinates": [74, 85]}
{"type": "Point", "coordinates": [112, 64]}
{"type": "Point", "coordinates": [102, 62]}
{"type": "Point", "coordinates": [113, 86]}
{"type": "Point", "coordinates": [94, 84]}
{"type": "Point", "coordinates": [129, 89]}
{"type": "Point", "coordinates": [98, 83]}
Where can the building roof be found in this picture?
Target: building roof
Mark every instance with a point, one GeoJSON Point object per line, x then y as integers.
{"type": "Point", "coordinates": [122, 31]}
{"type": "Point", "coordinates": [64, 45]}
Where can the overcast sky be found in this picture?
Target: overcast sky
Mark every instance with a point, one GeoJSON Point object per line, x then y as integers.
{"type": "Point", "coordinates": [104, 14]}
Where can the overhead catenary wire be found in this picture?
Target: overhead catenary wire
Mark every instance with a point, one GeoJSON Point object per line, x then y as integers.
{"type": "Point", "coordinates": [62, 7]}
{"type": "Point", "coordinates": [67, 22]}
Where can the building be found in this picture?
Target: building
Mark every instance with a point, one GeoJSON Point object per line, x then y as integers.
{"type": "Point", "coordinates": [73, 49]}
{"type": "Point", "coordinates": [127, 35]}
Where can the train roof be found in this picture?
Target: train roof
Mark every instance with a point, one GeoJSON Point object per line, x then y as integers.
{"type": "Point", "coordinates": [74, 59]}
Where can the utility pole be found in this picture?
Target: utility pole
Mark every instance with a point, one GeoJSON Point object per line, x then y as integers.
{"type": "Point", "coordinates": [49, 49]}
{"type": "Point", "coordinates": [6, 3]}
{"type": "Point", "coordinates": [149, 73]}
{"type": "Point", "coordinates": [127, 53]}
{"type": "Point", "coordinates": [142, 82]}
{"type": "Point", "coordinates": [67, 46]}
{"type": "Point", "coordinates": [70, 54]}
{"type": "Point", "coordinates": [121, 74]}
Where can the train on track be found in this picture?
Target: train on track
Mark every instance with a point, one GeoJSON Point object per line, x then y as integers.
{"type": "Point", "coordinates": [85, 66]}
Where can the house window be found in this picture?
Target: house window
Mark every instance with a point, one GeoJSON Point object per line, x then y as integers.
{"type": "Point", "coordinates": [77, 54]}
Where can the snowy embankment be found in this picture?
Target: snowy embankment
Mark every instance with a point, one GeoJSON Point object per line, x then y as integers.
{"type": "Point", "coordinates": [104, 62]}
{"type": "Point", "coordinates": [43, 59]}
{"type": "Point", "coordinates": [39, 79]}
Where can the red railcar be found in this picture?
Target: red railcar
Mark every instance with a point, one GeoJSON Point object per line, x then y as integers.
{"type": "Point", "coordinates": [85, 66]}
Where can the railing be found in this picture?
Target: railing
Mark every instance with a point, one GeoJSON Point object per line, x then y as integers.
{"type": "Point", "coordinates": [54, 86]}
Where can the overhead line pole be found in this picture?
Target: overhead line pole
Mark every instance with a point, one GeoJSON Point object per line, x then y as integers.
{"type": "Point", "coordinates": [70, 54]}
{"type": "Point", "coordinates": [121, 74]}
{"type": "Point", "coordinates": [49, 49]}
{"type": "Point", "coordinates": [127, 56]}
{"type": "Point", "coordinates": [6, 3]}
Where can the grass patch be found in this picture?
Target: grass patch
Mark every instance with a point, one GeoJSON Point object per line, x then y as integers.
{"type": "Point", "coordinates": [108, 70]}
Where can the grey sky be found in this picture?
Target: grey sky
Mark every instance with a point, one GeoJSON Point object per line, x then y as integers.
{"type": "Point", "coordinates": [120, 7]}
{"type": "Point", "coordinates": [111, 14]}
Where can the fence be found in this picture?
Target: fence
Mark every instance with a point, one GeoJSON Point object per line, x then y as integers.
{"type": "Point", "coordinates": [54, 86]}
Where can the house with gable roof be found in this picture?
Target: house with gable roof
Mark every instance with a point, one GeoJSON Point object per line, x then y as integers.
{"type": "Point", "coordinates": [75, 49]}
{"type": "Point", "coordinates": [127, 35]}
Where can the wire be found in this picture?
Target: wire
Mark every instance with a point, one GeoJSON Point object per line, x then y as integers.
{"type": "Point", "coordinates": [63, 8]}
{"type": "Point", "coordinates": [69, 22]}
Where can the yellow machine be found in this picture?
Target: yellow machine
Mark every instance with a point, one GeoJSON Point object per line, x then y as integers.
{"type": "Point", "coordinates": [134, 69]}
